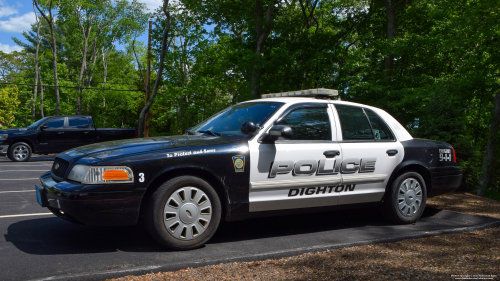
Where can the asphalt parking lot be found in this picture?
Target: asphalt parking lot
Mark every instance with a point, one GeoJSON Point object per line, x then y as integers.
{"type": "Point", "coordinates": [37, 245]}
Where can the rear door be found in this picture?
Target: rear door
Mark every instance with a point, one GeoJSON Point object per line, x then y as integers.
{"type": "Point", "coordinates": [53, 139]}
{"type": "Point", "coordinates": [370, 154]}
{"type": "Point", "coordinates": [79, 132]}
{"type": "Point", "coordinates": [301, 172]}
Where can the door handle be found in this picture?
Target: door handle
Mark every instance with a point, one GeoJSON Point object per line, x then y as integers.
{"type": "Point", "coordinates": [60, 133]}
{"type": "Point", "coordinates": [85, 132]}
{"type": "Point", "coordinates": [392, 152]}
{"type": "Point", "coordinates": [331, 153]}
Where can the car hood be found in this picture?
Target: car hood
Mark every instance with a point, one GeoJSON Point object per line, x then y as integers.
{"type": "Point", "coordinates": [112, 149]}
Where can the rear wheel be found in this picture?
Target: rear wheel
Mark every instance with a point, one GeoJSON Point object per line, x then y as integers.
{"type": "Point", "coordinates": [183, 213]}
{"type": "Point", "coordinates": [20, 152]}
{"type": "Point", "coordinates": [406, 200]}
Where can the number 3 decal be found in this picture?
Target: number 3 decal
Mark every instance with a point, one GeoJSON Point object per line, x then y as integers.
{"type": "Point", "coordinates": [141, 177]}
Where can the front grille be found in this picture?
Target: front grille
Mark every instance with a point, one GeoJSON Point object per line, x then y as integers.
{"type": "Point", "coordinates": [62, 167]}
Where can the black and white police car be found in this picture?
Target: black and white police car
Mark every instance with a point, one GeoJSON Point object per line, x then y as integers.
{"type": "Point", "coordinates": [285, 153]}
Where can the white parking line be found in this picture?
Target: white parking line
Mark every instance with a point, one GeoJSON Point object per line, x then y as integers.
{"type": "Point", "coordinates": [26, 163]}
{"type": "Point", "coordinates": [34, 165]}
{"type": "Point", "coordinates": [24, 171]}
{"type": "Point", "coordinates": [26, 215]}
{"type": "Point", "coordinates": [17, 191]}
{"type": "Point", "coordinates": [18, 179]}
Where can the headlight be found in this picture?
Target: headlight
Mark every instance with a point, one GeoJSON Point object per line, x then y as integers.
{"type": "Point", "coordinates": [102, 174]}
{"type": "Point", "coordinates": [3, 137]}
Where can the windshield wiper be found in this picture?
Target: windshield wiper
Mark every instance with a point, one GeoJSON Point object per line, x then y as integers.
{"type": "Point", "coordinates": [210, 133]}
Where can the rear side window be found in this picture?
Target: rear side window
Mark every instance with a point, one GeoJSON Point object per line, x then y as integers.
{"type": "Point", "coordinates": [55, 123]}
{"type": "Point", "coordinates": [309, 124]}
{"type": "Point", "coordinates": [380, 129]}
{"type": "Point", "coordinates": [354, 123]}
{"type": "Point", "coordinates": [75, 122]}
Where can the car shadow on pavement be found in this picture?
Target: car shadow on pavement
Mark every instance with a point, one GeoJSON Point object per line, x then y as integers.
{"type": "Point", "coordinates": [260, 228]}
{"type": "Point", "coordinates": [54, 236]}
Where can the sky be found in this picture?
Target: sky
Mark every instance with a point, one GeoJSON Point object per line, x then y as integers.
{"type": "Point", "coordinates": [17, 16]}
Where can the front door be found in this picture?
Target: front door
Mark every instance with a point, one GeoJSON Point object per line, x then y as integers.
{"type": "Point", "coordinates": [52, 139]}
{"type": "Point", "coordinates": [370, 154]}
{"type": "Point", "coordinates": [79, 132]}
{"type": "Point", "coordinates": [299, 173]}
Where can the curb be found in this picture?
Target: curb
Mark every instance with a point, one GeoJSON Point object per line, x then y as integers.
{"type": "Point", "coordinates": [258, 257]}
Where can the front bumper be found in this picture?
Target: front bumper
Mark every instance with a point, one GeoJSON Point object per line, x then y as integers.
{"type": "Point", "coordinates": [444, 180]}
{"type": "Point", "coordinates": [4, 149]}
{"type": "Point", "coordinates": [89, 204]}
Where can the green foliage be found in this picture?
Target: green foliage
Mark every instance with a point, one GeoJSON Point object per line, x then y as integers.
{"type": "Point", "coordinates": [8, 104]}
{"type": "Point", "coordinates": [445, 71]}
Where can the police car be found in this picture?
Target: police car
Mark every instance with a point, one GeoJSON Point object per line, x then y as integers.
{"type": "Point", "coordinates": [285, 153]}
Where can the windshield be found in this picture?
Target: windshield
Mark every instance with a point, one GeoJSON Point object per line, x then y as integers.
{"type": "Point", "coordinates": [37, 123]}
{"type": "Point", "coordinates": [229, 120]}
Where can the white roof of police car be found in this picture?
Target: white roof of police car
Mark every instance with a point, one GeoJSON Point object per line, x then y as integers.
{"type": "Point", "coordinates": [400, 131]}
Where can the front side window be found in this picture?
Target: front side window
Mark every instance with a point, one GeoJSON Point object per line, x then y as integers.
{"type": "Point", "coordinates": [38, 122]}
{"type": "Point", "coordinates": [55, 123]}
{"type": "Point", "coordinates": [354, 123]}
{"type": "Point", "coordinates": [309, 124]}
{"type": "Point", "coordinates": [78, 122]}
{"type": "Point", "coordinates": [229, 120]}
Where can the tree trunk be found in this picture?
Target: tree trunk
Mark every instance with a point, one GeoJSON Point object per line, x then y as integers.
{"type": "Point", "coordinates": [105, 67]}
{"type": "Point", "coordinates": [488, 171]}
{"type": "Point", "coordinates": [41, 94]}
{"type": "Point", "coordinates": [262, 30]}
{"type": "Point", "coordinates": [83, 67]}
{"type": "Point", "coordinates": [160, 70]}
{"type": "Point", "coordinates": [389, 60]}
{"type": "Point", "coordinates": [391, 32]}
{"type": "Point", "coordinates": [35, 89]}
{"type": "Point", "coordinates": [50, 22]}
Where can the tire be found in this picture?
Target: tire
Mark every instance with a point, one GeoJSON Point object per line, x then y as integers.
{"type": "Point", "coordinates": [183, 213]}
{"type": "Point", "coordinates": [406, 199]}
{"type": "Point", "coordinates": [20, 152]}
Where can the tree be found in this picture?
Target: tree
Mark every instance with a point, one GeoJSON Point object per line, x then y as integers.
{"type": "Point", "coordinates": [159, 73]}
{"type": "Point", "coordinates": [50, 22]}
{"type": "Point", "coordinates": [37, 70]}
{"type": "Point", "coordinates": [8, 104]}
{"type": "Point", "coordinates": [100, 23]}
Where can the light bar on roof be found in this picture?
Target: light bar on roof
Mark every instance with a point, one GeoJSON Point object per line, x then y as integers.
{"type": "Point", "coordinates": [317, 93]}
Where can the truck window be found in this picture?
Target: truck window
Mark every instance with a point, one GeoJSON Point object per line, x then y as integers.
{"type": "Point", "coordinates": [78, 122]}
{"type": "Point", "coordinates": [55, 123]}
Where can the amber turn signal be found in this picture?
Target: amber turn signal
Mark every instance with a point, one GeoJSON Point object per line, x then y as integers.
{"type": "Point", "coordinates": [110, 175]}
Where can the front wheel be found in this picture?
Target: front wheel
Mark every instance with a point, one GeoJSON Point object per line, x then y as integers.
{"type": "Point", "coordinates": [183, 213]}
{"type": "Point", "coordinates": [20, 152]}
{"type": "Point", "coordinates": [406, 200]}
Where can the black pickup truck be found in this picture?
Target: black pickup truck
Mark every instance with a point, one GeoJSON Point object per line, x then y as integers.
{"type": "Point", "coordinates": [56, 134]}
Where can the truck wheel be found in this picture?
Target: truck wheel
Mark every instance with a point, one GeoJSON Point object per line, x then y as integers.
{"type": "Point", "coordinates": [406, 200]}
{"type": "Point", "coordinates": [20, 152]}
{"type": "Point", "coordinates": [183, 213]}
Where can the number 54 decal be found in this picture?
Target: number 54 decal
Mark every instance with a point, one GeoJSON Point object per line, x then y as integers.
{"type": "Point", "coordinates": [445, 155]}
{"type": "Point", "coordinates": [141, 177]}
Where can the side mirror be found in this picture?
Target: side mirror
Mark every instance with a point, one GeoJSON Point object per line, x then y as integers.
{"type": "Point", "coordinates": [44, 127]}
{"type": "Point", "coordinates": [279, 132]}
{"type": "Point", "coordinates": [248, 127]}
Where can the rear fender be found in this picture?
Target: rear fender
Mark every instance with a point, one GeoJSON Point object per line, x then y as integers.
{"type": "Point", "coordinates": [407, 166]}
